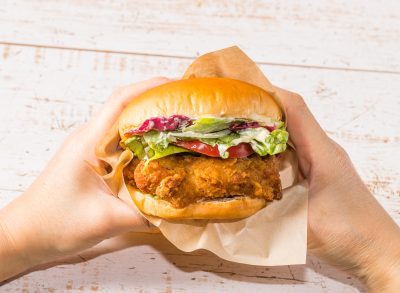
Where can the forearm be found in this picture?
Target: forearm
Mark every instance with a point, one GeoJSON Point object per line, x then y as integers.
{"type": "Point", "coordinates": [385, 278]}
{"type": "Point", "coordinates": [380, 268]}
{"type": "Point", "coordinates": [376, 244]}
{"type": "Point", "coordinates": [363, 240]}
{"type": "Point", "coordinates": [375, 248]}
{"type": "Point", "coordinates": [20, 238]}
{"type": "Point", "coordinates": [12, 260]}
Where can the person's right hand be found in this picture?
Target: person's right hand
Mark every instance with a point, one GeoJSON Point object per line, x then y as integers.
{"type": "Point", "coordinates": [346, 225]}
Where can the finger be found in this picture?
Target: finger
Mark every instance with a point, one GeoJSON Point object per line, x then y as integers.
{"type": "Point", "coordinates": [109, 113]}
{"type": "Point", "coordinates": [128, 219]}
{"type": "Point", "coordinates": [304, 130]}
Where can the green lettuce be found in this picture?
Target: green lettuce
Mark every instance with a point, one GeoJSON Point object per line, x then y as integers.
{"type": "Point", "coordinates": [136, 146]}
{"type": "Point", "coordinates": [157, 140]}
{"type": "Point", "coordinates": [170, 150]}
{"type": "Point", "coordinates": [209, 124]}
{"type": "Point", "coordinates": [273, 144]}
{"type": "Point", "coordinates": [212, 131]}
{"type": "Point", "coordinates": [152, 146]}
{"type": "Point", "coordinates": [223, 143]}
{"type": "Point", "coordinates": [197, 135]}
{"type": "Point", "coordinates": [261, 140]}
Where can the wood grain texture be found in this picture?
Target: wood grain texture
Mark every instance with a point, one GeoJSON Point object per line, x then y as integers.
{"type": "Point", "coordinates": [354, 108]}
{"type": "Point", "coordinates": [342, 56]}
{"type": "Point", "coordinates": [349, 105]}
{"type": "Point", "coordinates": [338, 34]}
{"type": "Point", "coordinates": [152, 264]}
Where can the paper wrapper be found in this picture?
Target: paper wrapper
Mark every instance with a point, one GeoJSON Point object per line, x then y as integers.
{"type": "Point", "coordinates": [276, 235]}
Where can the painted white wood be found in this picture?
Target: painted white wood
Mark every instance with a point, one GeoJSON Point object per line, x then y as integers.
{"type": "Point", "coordinates": [154, 265]}
{"type": "Point", "coordinates": [46, 93]}
{"type": "Point", "coordinates": [301, 45]}
{"type": "Point", "coordinates": [354, 34]}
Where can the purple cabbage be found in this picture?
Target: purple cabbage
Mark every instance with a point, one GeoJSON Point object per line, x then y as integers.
{"type": "Point", "coordinates": [239, 125]}
{"type": "Point", "coordinates": [175, 122]}
{"type": "Point", "coordinates": [170, 123]}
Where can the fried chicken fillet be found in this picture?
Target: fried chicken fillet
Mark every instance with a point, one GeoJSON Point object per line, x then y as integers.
{"type": "Point", "coordinates": [186, 179]}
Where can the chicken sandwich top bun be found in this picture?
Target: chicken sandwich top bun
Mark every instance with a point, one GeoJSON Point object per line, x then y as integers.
{"type": "Point", "coordinates": [204, 148]}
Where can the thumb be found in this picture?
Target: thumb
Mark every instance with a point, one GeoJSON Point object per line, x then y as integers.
{"type": "Point", "coordinates": [109, 113]}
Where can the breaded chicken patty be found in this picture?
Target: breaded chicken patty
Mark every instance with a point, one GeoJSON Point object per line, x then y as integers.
{"type": "Point", "coordinates": [184, 179]}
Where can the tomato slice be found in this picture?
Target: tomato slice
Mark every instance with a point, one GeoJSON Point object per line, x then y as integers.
{"type": "Point", "coordinates": [241, 150]}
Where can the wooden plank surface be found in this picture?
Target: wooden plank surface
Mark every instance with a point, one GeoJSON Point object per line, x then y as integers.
{"type": "Point", "coordinates": [152, 264]}
{"type": "Point", "coordinates": [353, 107]}
{"type": "Point", "coordinates": [80, 82]}
{"type": "Point", "coordinates": [341, 56]}
{"type": "Point", "coordinates": [340, 34]}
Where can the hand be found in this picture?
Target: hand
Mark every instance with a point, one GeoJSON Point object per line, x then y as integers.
{"type": "Point", "coordinates": [68, 208]}
{"type": "Point", "coordinates": [346, 225]}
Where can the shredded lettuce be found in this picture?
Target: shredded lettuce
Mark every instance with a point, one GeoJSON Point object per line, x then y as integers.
{"type": "Point", "coordinates": [192, 134]}
{"type": "Point", "coordinates": [209, 124]}
{"type": "Point", "coordinates": [273, 144]}
{"type": "Point", "coordinates": [279, 125]}
{"type": "Point", "coordinates": [223, 143]}
{"type": "Point", "coordinates": [157, 140]}
{"type": "Point", "coordinates": [153, 146]}
{"type": "Point", "coordinates": [212, 131]}
{"type": "Point", "coordinates": [261, 140]}
{"type": "Point", "coordinates": [136, 146]}
{"type": "Point", "coordinates": [170, 150]}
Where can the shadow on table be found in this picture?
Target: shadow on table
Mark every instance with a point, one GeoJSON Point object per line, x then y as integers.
{"type": "Point", "coordinates": [205, 261]}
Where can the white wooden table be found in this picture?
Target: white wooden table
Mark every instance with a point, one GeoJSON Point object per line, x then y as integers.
{"type": "Point", "coordinates": [59, 60]}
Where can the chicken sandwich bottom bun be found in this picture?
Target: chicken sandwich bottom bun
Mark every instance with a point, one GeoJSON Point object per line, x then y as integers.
{"type": "Point", "coordinates": [204, 148]}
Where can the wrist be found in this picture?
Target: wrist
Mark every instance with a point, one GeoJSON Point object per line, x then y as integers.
{"type": "Point", "coordinates": [20, 238]}
{"type": "Point", "coordinates": [379, 265]}
{"type": "Point", "coordinates": [383, 275]}
{"type": "Point", "coordinates": [13, 258]}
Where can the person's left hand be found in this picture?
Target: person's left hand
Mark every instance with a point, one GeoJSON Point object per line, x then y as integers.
{"type": "Point", "coordinates": [69, 208]}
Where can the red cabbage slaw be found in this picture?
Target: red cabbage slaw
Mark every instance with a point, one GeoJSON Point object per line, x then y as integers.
{"type": "Point", "coordinates": [170, 123]}
{"type": "Point", "coordinates": [174, 122]}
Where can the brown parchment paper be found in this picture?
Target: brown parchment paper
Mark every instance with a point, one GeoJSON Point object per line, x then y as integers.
{"type": "Point", "coordinates": [276, 235]}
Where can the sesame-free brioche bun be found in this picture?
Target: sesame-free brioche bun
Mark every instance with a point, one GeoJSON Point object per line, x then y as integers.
{"type": "Point", "coordinates": [196, 97]}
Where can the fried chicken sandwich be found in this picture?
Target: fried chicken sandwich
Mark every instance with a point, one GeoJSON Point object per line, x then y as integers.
{"type": "Point", "coordinates": [204, 148]}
